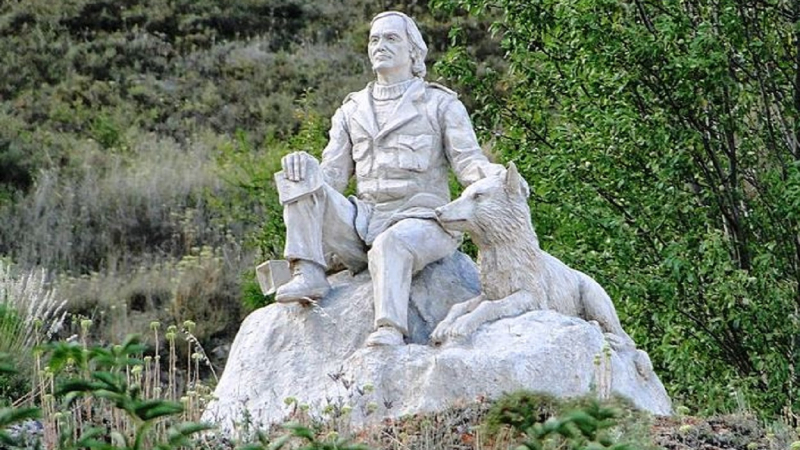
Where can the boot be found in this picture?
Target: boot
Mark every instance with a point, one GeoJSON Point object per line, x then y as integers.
{"type": "Point", "coordinates": [385, 336]}
{"type": "Point", "coordinates": [308, 283]}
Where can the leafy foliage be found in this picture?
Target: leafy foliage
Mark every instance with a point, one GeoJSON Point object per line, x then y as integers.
{"type": "Point", "coordinates": [520, 410]}
{"type": "Point", "coordinates": [582, 429]}
{"type": "Point", "coordinates": [308, 441]}
{"type": "Point", "coordinates": [109, 380]}
{"type": "Point", "coordinates": [660, 141]}
{"type": "Point", "coordinates": [10, 415]}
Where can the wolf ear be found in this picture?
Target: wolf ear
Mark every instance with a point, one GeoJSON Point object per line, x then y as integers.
{"type": "Point", "coordinates": [481, 173]}
{"type": "Point", "coordinates": [515, 184]}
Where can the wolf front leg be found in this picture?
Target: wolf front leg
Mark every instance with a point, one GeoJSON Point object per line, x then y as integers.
{"type": "Point", "coordinates": [487, 311]}
{"type": "Point", "coordinates": [441, 331]}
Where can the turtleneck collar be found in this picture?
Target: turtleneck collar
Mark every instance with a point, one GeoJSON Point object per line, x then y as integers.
{"type": "Point", "coordinates": [390, 91]}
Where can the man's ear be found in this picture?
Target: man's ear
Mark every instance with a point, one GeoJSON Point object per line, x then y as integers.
{"type": "Point", "coordinates": [514, 183]}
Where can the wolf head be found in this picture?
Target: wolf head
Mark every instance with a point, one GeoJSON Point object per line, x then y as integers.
{"type": "Point", "coordinates": [490, 208]}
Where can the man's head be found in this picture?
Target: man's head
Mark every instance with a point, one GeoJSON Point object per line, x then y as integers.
{"type": "Point", "coordinates": [395, 44]}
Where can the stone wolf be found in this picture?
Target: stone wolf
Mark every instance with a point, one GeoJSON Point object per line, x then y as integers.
{"type": "Point", "coordinates": [517, 276]}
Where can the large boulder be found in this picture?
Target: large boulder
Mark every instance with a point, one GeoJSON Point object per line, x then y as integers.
{"type": "Point", "coordinates": [290, 355]}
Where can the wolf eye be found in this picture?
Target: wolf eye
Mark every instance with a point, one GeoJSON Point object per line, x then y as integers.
{"type": "Point", "coordinates": [477, 196]}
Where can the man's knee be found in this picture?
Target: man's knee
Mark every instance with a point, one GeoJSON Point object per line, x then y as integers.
{"type": "Point", "coordinates": [390, 244]}
{"type": "Point", "coordinates": [421, 241]}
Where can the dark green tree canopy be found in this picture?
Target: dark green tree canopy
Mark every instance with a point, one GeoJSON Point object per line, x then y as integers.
{"type": "Point", "coordinates": [660, 138]}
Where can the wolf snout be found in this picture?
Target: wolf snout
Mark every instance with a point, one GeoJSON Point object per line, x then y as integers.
{"type": "Point", "coordinates": [438, 212]}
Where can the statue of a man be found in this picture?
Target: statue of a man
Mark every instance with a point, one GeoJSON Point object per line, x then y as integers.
{"type": "Point", "coordinates": [399, 136]}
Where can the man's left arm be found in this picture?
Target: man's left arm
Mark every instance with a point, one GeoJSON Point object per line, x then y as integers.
{"type": "Point", "coordinates": [458, 137]}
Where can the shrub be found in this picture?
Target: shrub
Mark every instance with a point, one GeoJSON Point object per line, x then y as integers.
{"type": "Point", "coordinates": [205, 292]}
{"type": "Point", "coordinates": [648, 137]}
{"type": "Point", "coordinates": [109, 397]}
{"type": "Point", "coordinates": [520, 411]}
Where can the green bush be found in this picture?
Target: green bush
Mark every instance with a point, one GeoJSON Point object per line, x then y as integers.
{"type": "Point", "coordinates": [649, 140]}
{"type": "Point", "coordinates": [520, 410]}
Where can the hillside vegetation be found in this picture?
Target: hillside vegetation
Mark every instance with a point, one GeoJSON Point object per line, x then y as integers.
{"type": "Point", "coordinates": [138, 138]}
{"type": "Point", "coordinates": [660, 138]}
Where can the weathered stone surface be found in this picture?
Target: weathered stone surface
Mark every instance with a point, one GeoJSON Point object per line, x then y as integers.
{"type": "Point", "coordinates": [288, 350]}
{"type": "Point", "coordinates": [317, 356]}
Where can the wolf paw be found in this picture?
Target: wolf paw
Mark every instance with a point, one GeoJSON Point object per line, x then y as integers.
{"type": "Point", "coordinates": [447, 331]}
{"type": "Point", "coordinates": [463, 326]}
{"type": "Point", "coordinates": [456, 313]}
{"type": "Point", "coordinates": [439, 334]}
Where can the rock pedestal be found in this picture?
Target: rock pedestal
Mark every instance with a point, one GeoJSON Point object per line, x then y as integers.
{"type": "Point", "coordinates": [287, 355]}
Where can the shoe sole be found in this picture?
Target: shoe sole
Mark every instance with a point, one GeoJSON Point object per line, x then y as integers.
{"type": "Point", "coordinates": [310, 297]}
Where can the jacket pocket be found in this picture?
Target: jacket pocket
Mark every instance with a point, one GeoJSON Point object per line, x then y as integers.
{"type": "Point", "coordinates": [414, 151]}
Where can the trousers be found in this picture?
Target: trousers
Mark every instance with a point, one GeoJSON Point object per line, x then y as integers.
{"type": "Point", "coordinates": [322, 226]}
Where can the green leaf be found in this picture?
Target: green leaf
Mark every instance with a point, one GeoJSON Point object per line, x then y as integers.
{"type": "Point", "coordinates": [110, 381]}
{"type": "Point", "coordinates": [153, 409]}
{"type": "Point", "coordinates": [10, 416]}
{"type": "Point", "coordinates": [7, 440]}
{"type": "Point", "coordinates": [92, 438]}
{"type": "Point", "coordinates": [301, 431]}
{"type": "Point", "coordinates": [178, 435]}
{"type": "Point", "coordinates": [77, 386]}
{"type": "Point", "coordinates": [6, 367]}
{"type": "Point", "coordinates": [280, 442]}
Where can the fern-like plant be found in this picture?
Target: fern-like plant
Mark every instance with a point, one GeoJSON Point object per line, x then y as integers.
{"type": "Point", "coordinates": [108, 383]}
{"type": "Point", "coordinates": [585, 428]}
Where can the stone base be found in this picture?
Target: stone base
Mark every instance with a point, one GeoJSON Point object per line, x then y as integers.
{"type": "Point", "coordinates": [316, 356]}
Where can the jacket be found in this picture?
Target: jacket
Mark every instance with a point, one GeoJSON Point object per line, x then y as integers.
{"type": "Point", "coordinates": [402, 170]}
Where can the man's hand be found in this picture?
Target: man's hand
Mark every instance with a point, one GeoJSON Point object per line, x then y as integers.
{"type": "Point", "coordinates": [295, 165]}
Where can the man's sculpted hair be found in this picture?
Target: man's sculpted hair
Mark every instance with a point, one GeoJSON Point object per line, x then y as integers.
{"type": "Point", "coordinates": [419, 50]}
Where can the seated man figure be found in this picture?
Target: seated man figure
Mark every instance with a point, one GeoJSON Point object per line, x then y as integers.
{"type": "Point", "coordinates": [399, 136]}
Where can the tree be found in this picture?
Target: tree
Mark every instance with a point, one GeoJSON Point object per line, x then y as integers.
{"type": "Point", "coordinates": [661, 141]}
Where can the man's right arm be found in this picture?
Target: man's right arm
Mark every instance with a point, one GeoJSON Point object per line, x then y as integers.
{"type": "Point", "coordinates": [337, 157]}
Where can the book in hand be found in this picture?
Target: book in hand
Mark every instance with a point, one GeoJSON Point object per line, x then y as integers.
{"type": "Point", "coordinates": [290, 191]}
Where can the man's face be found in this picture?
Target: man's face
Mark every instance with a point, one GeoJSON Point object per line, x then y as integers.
{"type": "Point", "coordinates": [389, 48]}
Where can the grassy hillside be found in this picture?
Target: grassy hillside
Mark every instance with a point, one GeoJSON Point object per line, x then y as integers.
{"type": "Point", "coordinates": [138, 141]}
{"type": "Point", "coordinates": [138, 138]}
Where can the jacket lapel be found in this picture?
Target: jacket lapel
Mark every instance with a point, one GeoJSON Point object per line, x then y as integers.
{"type": "Point", "coordinates": [405, 110]}
{"type": "Point", "coordinates": [364, 114]}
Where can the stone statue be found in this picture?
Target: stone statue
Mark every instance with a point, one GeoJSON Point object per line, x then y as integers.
{"type": "Point", "coordinates": [399, 137]}
{"type": "Point", "coordinates": [534, 326]}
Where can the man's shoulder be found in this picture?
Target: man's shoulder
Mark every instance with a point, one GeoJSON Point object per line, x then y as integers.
{"type": "Point", "coordinates": [439, 89]}
{"type": "Point", "coordinates": [432, 91]}
{"type": "Point", "coordinates": [354, 97]}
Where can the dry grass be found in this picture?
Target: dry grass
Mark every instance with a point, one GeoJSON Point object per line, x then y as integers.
{"type": "Point", "coordinates": [34, 311]}
{"type": "Point", "coordinates": [107, 209]}
{"type": "Point", "coordinates": [201, 287]}
{"type": "Point", "coordinates": [30, 314]}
